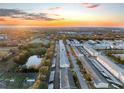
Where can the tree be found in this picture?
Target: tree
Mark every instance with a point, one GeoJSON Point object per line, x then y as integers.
{"type": "Point", "coordinates": [64, 37]}
{"type": "Point", "coordinates": [21, 58]}
{"type": "Point", "coordinates": [43, 50]}
{"type": "Point", "coordinates": [36, 84]}
{"type": "Point", "coordinates": [47, 63]}
{"type": "Point", "coordinates": [41, 77]}
{"type": "Point", "coordinates": [44, 70]}
{"type": "Point", "coordinates": [48, 55]}
{"type": "Point", "coordinates": [48, 50]}
{"type": "Point", "coordinates": [42, 62]}
{"type": "Point", "coordinates": [88, 77]}
{"type": "Point", "coordinates": [47, 45]}
{"type": "Point", "coordinates": [22, 47]}
{"type": "Point", "coordinates": [32, 51]}
{"type": "Point", "coordinates": [52, 42]}
{"type": "Point", "coordinates": [3, 43]}
{"type": "Point", "coordinates": [16, 60]}
{"type": "Point", "coordinates": [36, 67]}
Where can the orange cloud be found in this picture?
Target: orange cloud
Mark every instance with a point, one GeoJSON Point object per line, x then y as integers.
{"type": "Point", "coordinates": [2, 19]}
{"type": "Point", "coordinates": [23, 22]}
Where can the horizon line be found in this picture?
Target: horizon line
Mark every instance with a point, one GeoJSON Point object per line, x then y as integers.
{"type": "Point", "coordinates": [5, 26]}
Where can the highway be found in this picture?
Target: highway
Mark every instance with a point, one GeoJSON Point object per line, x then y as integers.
{"type": "Point", "coordinates": [80, 77]}
{"type": "Point", "coordinates": [51, 82]}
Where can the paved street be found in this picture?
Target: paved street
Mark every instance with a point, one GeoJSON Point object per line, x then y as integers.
{"type": "Point", "coordinates": [57, 68]}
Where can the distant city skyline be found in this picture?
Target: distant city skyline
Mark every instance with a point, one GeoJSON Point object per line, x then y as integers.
{"type": "Point", "coordinates": [62, 14]}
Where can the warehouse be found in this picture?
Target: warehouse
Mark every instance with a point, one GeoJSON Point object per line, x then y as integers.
{"type": "Point", "coordinates": [75, 43]}
{"type": "Point", "coordinates": [108, 44]}
{"type": "Point", "coordinates": [90, 50]}
{"type": "Point", "coordinates": [98, 80]}
{"type": "Point", "coordinates": [64, 66]}
{"type": "Point", "coordinates": [108, 64]}
{"type": "Point", "coordinates": [106, 73]}
{"type": "Point", "coordinates": [64, 79]}
{"type": "Point", "coordinates": [112, 67]}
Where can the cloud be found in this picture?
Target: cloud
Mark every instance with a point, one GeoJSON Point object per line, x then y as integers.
{"type": "Point", "coordinates": [55, 8]}
{"type": "Point", "coordinates": [9, 12]}
{"type": "Point", "coordinates": [14, 13]}
{"type": "Point", "coordinates": [55, 14]}
{"type": "Point", "coordinates": [2, 19]}
{"type": "Point", "coordinates": [90, 5]}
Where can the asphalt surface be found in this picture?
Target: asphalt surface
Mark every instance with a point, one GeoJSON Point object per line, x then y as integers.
{"type": "Point", "coordinates": [71, 80]}
{"type": "Point", "coordinates": [57, 68]}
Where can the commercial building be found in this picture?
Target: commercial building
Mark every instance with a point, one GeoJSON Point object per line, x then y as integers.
{"type": "Point", "coordinates": [117, 71]}
{"type": "Point", "coordinates": [3, 37]}
{"type": "Point", "coordinates": [64, 66]}
{"type": "Point", "coordinates": [98, 80]}
{"type": "Point", "coordinates": [64, 79]}
{"type": "Point", "coordinates": [90, 50]}
{"type": "Point", "coordinates": [114, 69]}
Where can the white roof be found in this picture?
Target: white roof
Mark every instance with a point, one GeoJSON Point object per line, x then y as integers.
{"type": "Point", "coordinates": [50, 86]}
{"type": "Point", "coordinates": [30, 80]}
{"type": "Point", "coordinates": [33, 60]}
{"type": "Point", "coordinates": [64, 62]}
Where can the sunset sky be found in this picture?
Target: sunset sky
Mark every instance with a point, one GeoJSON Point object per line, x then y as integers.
{"type": "Point", "coordinates": [61, 14]}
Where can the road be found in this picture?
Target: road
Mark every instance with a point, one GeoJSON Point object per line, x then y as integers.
{"type": "Point", "coordinates": [80, 77]}
{"type": "Point", "coordinates": [57, 68]}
